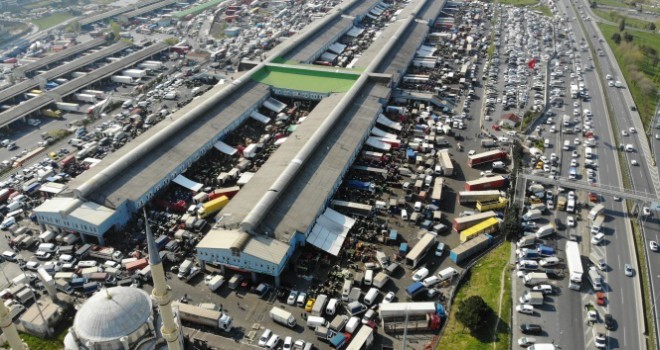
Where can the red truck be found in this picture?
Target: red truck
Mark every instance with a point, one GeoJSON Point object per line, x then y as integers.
{"type": "Point", "coordinates": [486, 183]}
{"type": "Point", "coordinates": [225, 191]}
{"type": "Point", "coordinates": [486, 157]}
{"type": "Point", "coordinates": [137, 265]}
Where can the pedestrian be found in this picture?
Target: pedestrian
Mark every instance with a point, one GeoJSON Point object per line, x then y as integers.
{"type": "Point", "coordinates": [221, 307]}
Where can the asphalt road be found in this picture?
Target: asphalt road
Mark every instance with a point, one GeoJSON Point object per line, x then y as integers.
{"type": "Point", "coordinates": [621, 293]}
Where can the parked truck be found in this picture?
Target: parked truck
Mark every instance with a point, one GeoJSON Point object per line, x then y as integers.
{"type": "Point", "coordinates": [595, 279]}
{"type": "Point", "coordinates": [534, 278]}
{"type": "Point", "coordinates": [212, 206]}
{"type": "Point", "coordinates": [122, 79]}
{"type": "Point", "coordinates": [486, 157]}
{"type": "Point", "coordinates": [533, 214]}
{"type": "Point", "coordinates": [85, 98]}
{"type": "Point", "coordinates": [216, 282]}
{"type": "Point", "coordinates": [595, 211]}
{"type": "Point", "coordinates": [574, 263]}
{"type": "Point", "coordinates": [319, 305]}
{"type": "Point", "coordinates": [283, 317]}
{"type": "Point", "coordinates": [492, 204]}
{"type": "Point", "coordinates": [532, 298]}
{"type": "Point", "coordinates": [486, 183]}
{"type": "Point", "coordinates": [202, 316]}
{"type": "Point", "coordinates": [105, 253]}
{"type": "Point", "coordinates": [134, 73]}
{"type": "Point", "coordinates": [71, 107]}
{"type": "Point", "coordinates": [380, 280]}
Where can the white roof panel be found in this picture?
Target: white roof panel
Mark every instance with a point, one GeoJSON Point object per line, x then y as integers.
{"type": "Point", "coordinates": [225, 148]}
{"type": "Point", "coordinates": [187, 183]}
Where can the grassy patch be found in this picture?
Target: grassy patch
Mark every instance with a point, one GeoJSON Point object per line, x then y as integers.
{"type": "Point", "coordinates": [36, 343]}
{"type": "Point", "coordinates": [52, 20]}
{"type": "Point", "coordinates": [484, 280]}
{"type": "Point", "coordinates": [613, 3]}
{"type": "Point", "coordinates": [641, 74]}
{"type": "Point", "coordinates": [519, 2]}
{"type": "Point", "coordinates": [545, 10]}
{"type": "Point", "coordinates": [616, 17]}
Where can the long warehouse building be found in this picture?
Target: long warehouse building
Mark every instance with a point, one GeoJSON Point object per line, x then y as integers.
{"type": "Point", "coordinates": [116, 12]}
{"type": "Point", "coordinates": [270, 217]}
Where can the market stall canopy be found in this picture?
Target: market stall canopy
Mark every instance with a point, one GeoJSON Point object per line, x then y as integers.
{"type": "Point", "coordinates": [187, 183]}
{"type": "Point", "coordinates": [330, 231]}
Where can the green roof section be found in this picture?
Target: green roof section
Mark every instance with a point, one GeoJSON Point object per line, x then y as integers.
{"type": "Point", "coordinates": [306, 78]}
{"type": "Point", "coordinates": [196, 9]}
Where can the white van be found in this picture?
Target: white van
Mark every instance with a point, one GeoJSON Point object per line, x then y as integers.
{"type": "Point", "coordinates": [127, 104]}
{"type": "Point", "coordinates": [546, 143]}
{"type": "Point", "coordinates": [47, 247]}
{"type": "Point", "coordinates": [346, 289]}
{"type": "Point", "coordinates": [368, 277]}
{"type": "Point", "coordinates": [272, 342]}
{"type": "Point", "coordinates": [332, 307]}
{"type": "Point", "coordinates": [67, 259]}
{"type": "Point", "coordinates": [499, 165]}
{"type": "Point", "coordinates": [316, 321]}
{"type": "Point", "coordinates": [87, 263]}
{"type": "Point", "coordinates": [447, 273]}
{"type": "Point", "coordinates": [371, 296]}
{"type": "Point", "coordinates": [352, 324]}
{"type": "Point", "coordinates": [404, 215]}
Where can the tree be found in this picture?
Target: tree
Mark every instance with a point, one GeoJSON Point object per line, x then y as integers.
{"type": "Point", "coordinates": [472, 311]}
{"type": "Point", "coordinates": [652, 26]}
{"type": "Point", "coordinates": [116, 29]}
{"type": "Point", "coordinates": [622, 24]}
{"type": "Point", "coordinates": [616, 37]}
{"type": "Point", "coordinates": [628, 37]}
{"type": "Point", "coordinates": [171, 41]}
{"type": "Point", "coordinates": [511, 225]}
{"type": "Point", "coordinates": [594, 5]}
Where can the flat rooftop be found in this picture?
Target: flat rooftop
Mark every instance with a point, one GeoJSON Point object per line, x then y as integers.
{"type": "Point", "coordinates": [361, 8]}
{"type": "Point", "coordinates": [166, 157]}
{"type": "Point", "coordinates": [399, 57]}
{"type": "Point", "coordinates": [261, 182]}
{"type": "Point", "coordinates": [196, 9]}
{"type": "Point", "coordinates": [150, 8]}
{"type": "Point", "coordinates": [71, 51]}
{"type": "Point", "coordinates": [431, 10]}
{"type": "Point", "coordinates": [305, 51]}
{"type": "Point", "coordinates": [306, 78]}
{"type": "Point", "coordinates": [86, 60]}
{"type": "Point", "coordinates": [16, 89]}
{"type": "Point", "coordinates": [25, 108]}
{"type": "Point", "coordinates": [109, 69]}
{"type": "Point", "coordinates": [307, 195]}
{"type": "Point", "coordinates": [115, 12]}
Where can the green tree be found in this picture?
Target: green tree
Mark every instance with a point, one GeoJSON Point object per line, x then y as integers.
{"type": "Point", "coordinates": [616, 37]}
{"type": "Point", "coordinates": [652, 26]}
{"type": "Point", "coordinates": [116, 29]}
{"type": "Point", "coordinates": [622, 24]}
{"type": "Point", "coordinates": [511, 225]}
{"type": "Point", "coordinates": [472, 311]}
{"type": "Point", "coordinates": [171, 41]}
{"type": "Point", "coordinates": [594, 5]}
{"type": "Point", "coordinates": [628, 37]}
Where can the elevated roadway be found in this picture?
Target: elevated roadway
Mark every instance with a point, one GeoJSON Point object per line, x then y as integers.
{"type": "Point", "coordinates": [116, 12]}
{"type": "Point", "coordinates": [55, 58]}
{"type": "Point", "coordinates": [147, 9]}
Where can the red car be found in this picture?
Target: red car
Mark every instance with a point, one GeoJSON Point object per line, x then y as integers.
{"type": "Point", "coordinates": [593, 198]}
{"type": "Point", "coordinates": [600, 298]}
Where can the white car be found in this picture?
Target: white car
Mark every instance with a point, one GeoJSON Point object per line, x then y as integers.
{"type": "Point", "coordinates": [291, 300]}
{"type": "Point", "coordinates": [288, 343]}
{"type": "Point", "coordinates": [472, 152]}
{"type": "Point", "coordinates": [624, 133]}
{"type": "Point", "coordinates": [632, 130]}
{"type": "Point", "coordinates": [526, 341]}
{"type": "Point", "coordinates": [420, 274]}
{"type": "Point", "coordinates": [577, 141]}
{"type": "Point", "coordinates": [389, 297]}
{"type": "Point", "coordinates": [646, 211]}
{"type": "Point", "coordinates": [32, 265]}
{"type": "Point", "coordinates": [597, 238]}
{"type": "Point", "coordinates": [570, 221]}
{"type": "Point", "coordinates": [634, 162]}
{"type": "Point", "coordinates": [653, 245]}
{"type": "Point", "coordinates": [574, 154]}
{"type": "Point", "coordinates": [264, 337]}
{"type": "Point", "coordinates": [525, 309]}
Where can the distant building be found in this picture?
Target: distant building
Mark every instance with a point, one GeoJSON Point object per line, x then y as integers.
{"type": "Point", "coordinates": [40, 318]}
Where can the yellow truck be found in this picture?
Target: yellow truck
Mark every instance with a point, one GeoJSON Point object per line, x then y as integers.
{"type": "Point", "coordinates": [492, 204]}
{"type": "Point", "coordinates": [561, 202]}
{"type": "Point", "coordinates": [212, 206]}
{"type": "Point", "coordinates": [52, 113]}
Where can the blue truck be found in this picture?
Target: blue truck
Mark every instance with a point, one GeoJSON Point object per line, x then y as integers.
{"type": "Point", "coordinates": [415, 289]}
{"type": "Point", "coordinates": [362, 185]}
{"type": "Point", "coordinates": [544, 250]}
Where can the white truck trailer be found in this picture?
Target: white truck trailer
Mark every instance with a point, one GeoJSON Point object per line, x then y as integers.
{"type": "Point", "coordinates": [574, 263]}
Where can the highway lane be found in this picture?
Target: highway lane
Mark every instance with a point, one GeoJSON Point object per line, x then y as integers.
{"type": "Point", "coordinates": [620, 250]}
{"type": "Point", "coordinates": [617, 251]}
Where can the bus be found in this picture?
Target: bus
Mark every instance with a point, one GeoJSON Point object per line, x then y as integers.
{"type": "Point", "coordinates": [489, 226]}
{"type": "Point", "coordinates": [465, 197]}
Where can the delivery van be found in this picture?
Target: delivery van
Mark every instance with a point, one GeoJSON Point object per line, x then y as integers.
{"type": "Point", "coordinates": [447, 273]}
{"type": "Point", "coordinates": [346, 289]}
{"type": "Point", "coordinates": [371, 296]}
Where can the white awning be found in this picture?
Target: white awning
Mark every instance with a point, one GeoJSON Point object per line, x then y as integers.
{"type": "Point", "coordinates": [280, 141]}
{"type": "Point", "coordinates": [355, 32]}
{"type": "Point", "coordinates": [383, 120]}
{"type": "Point", "coordinates": [259, 117]}
{"type": "Point", "coordinates": [378, 144]}
{"type": "Point", "coordinates": [187, 183]}
{"type": "Point", "coordinates": [244, 179]}
{"type": "Point", "coordinates": [380, 133]}
{"type": "Point", "coordinates": [328, 57]}
{"type": "Point", "coordinates": [274, 105]}
{"type": "Point", "coordinates": [337, 48]}
{"type": "Point", "coordinates": [52, 187]}
{"type": "Point", "coordinates": [225, 148]}
{"type": "Point", "coordinates": [426, 51]}
{"type": "Point", "coordinates": [330, 231]}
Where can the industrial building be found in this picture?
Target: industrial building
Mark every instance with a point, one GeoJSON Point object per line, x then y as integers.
{"type": "Point", "coordinates": [284, 205]}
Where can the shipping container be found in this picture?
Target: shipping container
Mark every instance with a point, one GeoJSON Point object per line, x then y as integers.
{"type": "Point", "coordinates": [461, 223]}
{"type": "Point", "coordinates": [486, 183]}
{"type": "Point", "coordinates": [486, 157]}
{"type": "Point", "coordinates": [465, 250]}
{"type": "Point", "coordinates": [488, 226]}
{"type": "Point", "coordinates": [466, 197]}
